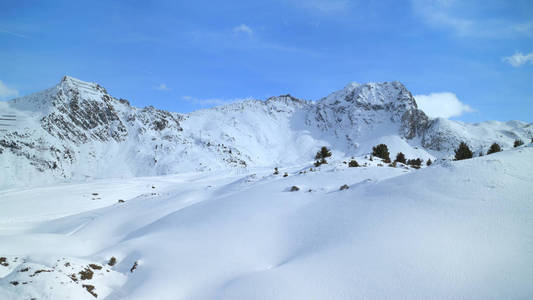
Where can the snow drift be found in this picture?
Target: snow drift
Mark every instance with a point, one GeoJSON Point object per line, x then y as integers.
{"type": "Point", "coordinates": [460, 230]}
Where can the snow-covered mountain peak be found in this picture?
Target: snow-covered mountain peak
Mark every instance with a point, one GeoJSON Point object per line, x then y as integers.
{"type": "Point", "coordinates": [388, 106]}
{"type": "Point", "coordinates": [69, 89]}
{"type": "Point", "coordinates": [384, 95]}
{"type": "Point", "coordinates": [79, 89]}
{"type": "Point", "coordinates": [352, 85]}
{"type": "Point", "coordinates": [71, 82]}
{"type": "Point", "coordinates": [286, 100]}
{"type": "Point", "coordinates": [79, 111]}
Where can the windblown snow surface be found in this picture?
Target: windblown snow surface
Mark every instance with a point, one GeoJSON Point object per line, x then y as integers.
{"type": "Point", "coordinates": [454, 230]}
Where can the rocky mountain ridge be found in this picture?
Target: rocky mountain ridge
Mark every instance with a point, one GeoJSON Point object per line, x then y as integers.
{"type": "Point", "coordinates": [76, 130]}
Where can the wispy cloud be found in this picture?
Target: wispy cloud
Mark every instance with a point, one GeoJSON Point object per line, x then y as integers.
{"type": "Point", "coordinates": [322, 6]}
{"type": "Point", "coordinates": [518, 59]}
{"type": "Point", "coordinates": [456, 16]}
{"type": "Point", "coordinates": [7, 92]}
{"type": "Point", "coordinates": [162, 87]}
{"type": "Point", "coordinates": [222, 39]}
{"type": "Point", "coordinates": [243, 28]}
{"type": "Point", "coordinates": [211, 101]}
{"type": "Point", "coordinates": [12, 33]}
{"type": "Point", "coordinates": [525, 28]}
{"type": "Point", "coordinates": [438, 13]}
{"type": "Point", "coordinates": [443, 105]}
{"type": "Point", "coordinates": [136, 38]}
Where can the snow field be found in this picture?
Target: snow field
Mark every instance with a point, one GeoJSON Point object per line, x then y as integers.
{"type": "Point", "coordinates": [457, 230]}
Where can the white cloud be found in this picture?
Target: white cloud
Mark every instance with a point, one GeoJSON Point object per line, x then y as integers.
{"type": "Point", "coordinates": [162, 87]}
{"type": "Point", "coordinates": [243, 29]}
{"type": "Point", "coordinates": [519, 59]}
{"type": "Point", "coordinates": [443, 105]}
{"type": "Point", "coordinates": [7, 92]}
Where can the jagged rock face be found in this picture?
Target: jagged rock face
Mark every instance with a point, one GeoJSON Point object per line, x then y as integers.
{"type": "Point", "coordinates": [414, 123]}
{"type": "Point", "coordinates": [65, 129]}
{"type": "Point", "coordinates": [367, 106]}
{"type": "Point", "coordinates": [154, 119]}
{"type": "Point", "coordinates": [286, 100]}
{"type": "Point", "coordinates": [82, 112]}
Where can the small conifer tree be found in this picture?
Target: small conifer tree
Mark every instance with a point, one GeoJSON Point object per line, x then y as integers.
{"type": "Point", "coordinates": [494, 148]}
{"type": "Point", "coordinates": [429, 162]}
{"type": "Point", "coordinates": [400, 157]}
{"type": "Point", "coordinates": [353, 164]}
{"type": "Point", "coordinates": [463, 152]}
{"type": "Point", "coordinates": [518, 142]}
{"type": "Point", "coordinates": [382, 152]}
{"type": "Point", "coordinates": [415, 163]}
{"type": "Point", "coordinates": [323, 153]}
{"type": "Point", "coordinates": [321, 156]}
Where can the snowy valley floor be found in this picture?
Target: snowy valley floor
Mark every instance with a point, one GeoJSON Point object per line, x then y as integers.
{"type": "Point", "coordinates": [459, 230]}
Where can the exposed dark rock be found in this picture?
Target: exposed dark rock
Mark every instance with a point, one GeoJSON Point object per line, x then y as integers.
{"type": "Point", "coordinates": [90, 288]}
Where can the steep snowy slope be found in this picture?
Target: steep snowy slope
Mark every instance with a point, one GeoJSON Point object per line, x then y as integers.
{"type": "Point", "coordinates": [444, 134]}
{"type": "Point", "coordinates": [460, 230]}
{"type": "Point", "coordinates": [77, 131]}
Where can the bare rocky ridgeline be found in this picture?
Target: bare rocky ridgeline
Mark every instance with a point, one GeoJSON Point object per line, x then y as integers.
{"type": "Point", "coordinates": [76, 130]}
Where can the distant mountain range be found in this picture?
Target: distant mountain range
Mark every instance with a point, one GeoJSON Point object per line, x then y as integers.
{"type": "Point", "coordinates": [76, 130]}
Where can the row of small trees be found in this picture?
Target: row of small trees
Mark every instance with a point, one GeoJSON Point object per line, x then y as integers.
{"type": "Point", "coordinates": [382, 151]}
{"type": "Point", "coordinates": [464, 152]}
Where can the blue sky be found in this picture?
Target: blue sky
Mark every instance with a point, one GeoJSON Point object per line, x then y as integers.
{"type": "Point", "coordinates": [467, 60]}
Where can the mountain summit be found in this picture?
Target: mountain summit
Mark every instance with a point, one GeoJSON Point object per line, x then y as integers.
{"type": "Point", "coordinates": [378, 103]}
{"type": "Point", "coordinates": [76, 130]}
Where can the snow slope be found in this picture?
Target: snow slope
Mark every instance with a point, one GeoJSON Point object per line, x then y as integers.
{"type": "Point", "coordinates": [75, 131]}
{"type": "Point", "coordinates": [455, 230]}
